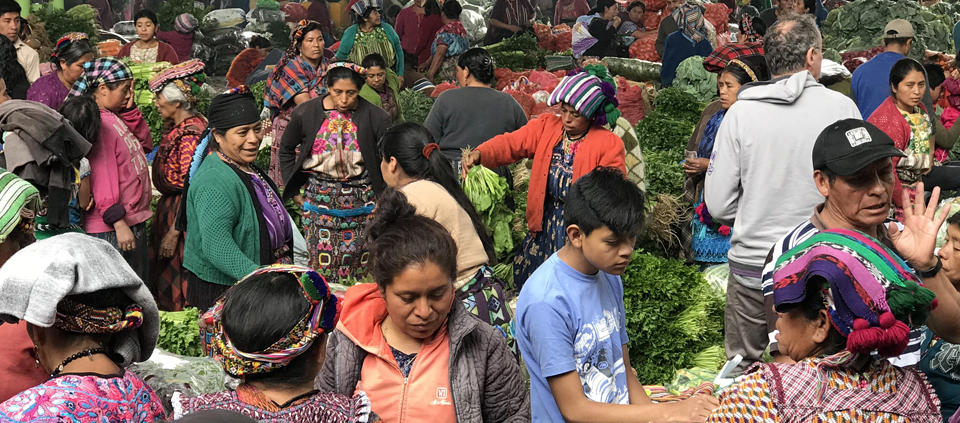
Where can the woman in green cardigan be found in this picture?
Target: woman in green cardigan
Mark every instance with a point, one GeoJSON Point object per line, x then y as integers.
{"type": "Point", "coordinates": [370, 35]}
{"type": "Point", "coordinates": [234, 217]}
{"type": "Point", "coordinates": [382, 87]}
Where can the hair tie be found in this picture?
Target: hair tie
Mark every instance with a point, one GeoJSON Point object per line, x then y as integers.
{"type": "Point", "coordinates": [750, 73]}
{"type": "Point", "coordinates": [430, 148]}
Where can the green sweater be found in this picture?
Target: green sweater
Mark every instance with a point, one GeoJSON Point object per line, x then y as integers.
{"type": "Point", "coordinates": [223, 239]}
{"type": "Point", "coordinates": [393, 84]}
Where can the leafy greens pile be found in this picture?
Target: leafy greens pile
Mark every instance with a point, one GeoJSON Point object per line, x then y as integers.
{"type": "Point", "coordinates": [180, 332]}
{"type": "Point", "coordinates": [674, 318]}
{"type": "Point", "coordinates": [694, 79]}
{"type": "Point", "coordinates": [488, 191]}
{"type": "Point", "coordinates": [415, 105]}
{"type": "Point", "coordinates": [519, 53]}
{"type": "Point", "coordinates": [663, 136]}
{"type": "Point", "coordinates": [859, 25]}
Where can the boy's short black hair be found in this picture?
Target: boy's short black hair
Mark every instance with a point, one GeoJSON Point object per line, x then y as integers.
{"type": "Point", "coordinates": [604, 197]}
{"type": "Point", "coordinates": [935, 75]}
{"type": "Point", "coordinates": [9, 6]}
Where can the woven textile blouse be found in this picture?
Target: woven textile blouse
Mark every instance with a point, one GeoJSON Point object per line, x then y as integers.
{"type": "Point", "coordinates": [828, 389]}
{"type": "Point", "coordinates": [336, 153]}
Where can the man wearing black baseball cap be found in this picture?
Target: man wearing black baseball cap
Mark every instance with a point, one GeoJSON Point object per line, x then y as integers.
{"type": "Point", "coordinates": [853, 170]}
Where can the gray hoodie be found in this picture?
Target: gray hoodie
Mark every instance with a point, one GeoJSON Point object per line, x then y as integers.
{"type": "Point", "coordinates": [760, 179]}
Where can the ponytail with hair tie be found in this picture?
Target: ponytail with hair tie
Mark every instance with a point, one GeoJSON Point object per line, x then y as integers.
{"type": "Point", "coordinates": [430, 148]}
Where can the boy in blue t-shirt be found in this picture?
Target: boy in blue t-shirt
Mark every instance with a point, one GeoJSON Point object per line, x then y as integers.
{"type": "Point", "coordinates": [571, 318]}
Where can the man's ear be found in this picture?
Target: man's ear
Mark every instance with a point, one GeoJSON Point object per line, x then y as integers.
{"type": "Point", "coordinates": [822, 182]}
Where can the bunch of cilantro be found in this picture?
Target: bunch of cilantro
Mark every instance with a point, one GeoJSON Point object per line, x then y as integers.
{"type": "Point", "coordinates": [180, 332]}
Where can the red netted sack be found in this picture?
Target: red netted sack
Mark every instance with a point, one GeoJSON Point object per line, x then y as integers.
{"type": "Point", "coordinates": [526, 101]}
{"type": "Point", "coordinates": [630, 96]}
{"type": "Point", "coordinates": [718, 14]}
{"type": "Point", "coordinates": [645, 49]}
{"type": "Point", "coordinates": [541, 108]}
{"type": "Point", "coordinates": [295, 12]}
{"type": "Point", "coordinates": [563, 41]}
{"type": "Point", "coordinates": [560, 73]}
{"type": "Point", "coordinates": [651, 20]}
{"type": "Point", "coordinates": [546, 80]}
{"type": "Point", "coordinates": [655, 5]}
{"type": "Point", "coordinates": [443, 87]}
{"type": "Point", "coordinates": [541, 30]}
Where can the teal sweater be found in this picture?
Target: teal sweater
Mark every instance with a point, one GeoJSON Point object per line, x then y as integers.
{"type": "Point", "coordinates": [223, 237]}
{"type": "Point", "coordinates": [350, 35]}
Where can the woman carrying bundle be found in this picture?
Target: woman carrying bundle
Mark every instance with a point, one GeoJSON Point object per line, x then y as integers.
{"type": "Point", "coordinates": [338, 166]}
{"type": "Point", "coordinates": [563, 148]}
{"type": "Point", "coordinates": [234, 218]}
{"type": "Point", "coordinates": [413, 163]}
{"type": "Point", "coordinates": [406, 342]}
{"type": "Point", "coordinates": [175, 95]}
{"type": "Point", "coordinates": [270, 330]}
{"type": "Point", "coordinates": [296, 79]}
{"type": "Point", "coordinates": [69, 55]}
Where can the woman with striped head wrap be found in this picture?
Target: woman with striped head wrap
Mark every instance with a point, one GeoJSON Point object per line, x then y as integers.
{"type": "Point", "coordinates": [69, 55]}
{"type": "Point", "coordinates": [120, 180]}
{"type": "Point", "coordinates": [175, 95]}
{"type": "Point", "coordinates": [296, 79]}
{"type": "Point", "coordinates": [846, 303]}
{"type": "Point", "coordinates": [270, 330]}
{"type": "Point", "coordinates": [563, 149]}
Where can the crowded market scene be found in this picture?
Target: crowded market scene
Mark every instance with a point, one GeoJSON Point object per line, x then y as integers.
{"type": "Point", "coordinates": [481, 211]}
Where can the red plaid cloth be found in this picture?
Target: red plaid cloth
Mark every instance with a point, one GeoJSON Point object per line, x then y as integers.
{"type": "Point", "coordinates": [717, 60]}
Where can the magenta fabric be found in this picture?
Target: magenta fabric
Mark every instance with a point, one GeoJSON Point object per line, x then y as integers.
{"type": "Point", "coordinates": [182, 43]}
{"type": "Point", "coordinates": [48, 90]}
{"type": "Point", "coordinates": [947, 118]}
{"type": "Point", "coordinates": [119, 170]}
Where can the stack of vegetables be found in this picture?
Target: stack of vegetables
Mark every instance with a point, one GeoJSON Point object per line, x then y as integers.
{"type": "Point", "coordinates": [49, 24]}
{"type": "Point", "coordinates": [693, 79]}
{"type": "Point", "coordinates": [859, 25]}
{"type": "Point", "coordinates": [558, 39]}
{"type": "Point", "coordinates": [518, 53]}
{"type": "Point", "coordinates": [674, 318]}
{"type": "Point", "coordinates": [415, 105]}
{"type": "Point", "coordinates": [180, 332]}
{"type": "Point", "coordinates": [663, 136]}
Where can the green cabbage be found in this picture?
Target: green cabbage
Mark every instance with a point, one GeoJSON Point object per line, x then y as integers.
{"type": "Point", "coordinates": [695, 80]}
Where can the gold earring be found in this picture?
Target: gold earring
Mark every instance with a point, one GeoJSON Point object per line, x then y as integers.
{"type": "Point", "coordinates": [36, 355]}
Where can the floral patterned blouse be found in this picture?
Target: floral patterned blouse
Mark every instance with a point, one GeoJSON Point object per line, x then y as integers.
{"type": "Point", "coordinates": [336, 153]}
{"type": "Point", "coordinates": [85, 399]}
{"type": "Point", "coordinates": [918, 160]}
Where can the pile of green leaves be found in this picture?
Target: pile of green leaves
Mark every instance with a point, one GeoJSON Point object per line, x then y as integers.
{"type": "Point", "coordinates": [694, 79]}
{"type": "Point", "coordinates": [488, 191]}
{"type": "Point", "coordinates": [859, 25]}
{"type": "Point", "coordinates": [663, 136]}
{"type": "Point", "coordinates": [170, 9]}
{"type": "Point", "coordinates": [415, 105]}
{"type": "Point", "coordinates": [673, 316]}
{"type": "Point", "coordinates": [59, 22]}
{"type": "Point", "coordinates": [180, 332]}
{"type": "Point", "coordinates": [279, 34]}
{"type": "Point", "coordinates": [519, 53]}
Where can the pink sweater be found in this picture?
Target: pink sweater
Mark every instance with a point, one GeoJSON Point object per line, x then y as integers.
{"type": "Point", "coordinates": [119, 177]}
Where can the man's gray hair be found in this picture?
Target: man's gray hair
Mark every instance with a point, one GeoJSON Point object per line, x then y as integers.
{"type": "Point", "coordinates": [786, 44]}
{"type": "Point", "coordinates": [173, 95]}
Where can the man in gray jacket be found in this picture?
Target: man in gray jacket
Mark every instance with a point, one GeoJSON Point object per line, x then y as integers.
{"type": "Point", "coordinates": [758, 180]}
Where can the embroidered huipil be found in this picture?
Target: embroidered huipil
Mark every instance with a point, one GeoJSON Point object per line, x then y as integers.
{"type": "Point", "coordinates": [336, 154]}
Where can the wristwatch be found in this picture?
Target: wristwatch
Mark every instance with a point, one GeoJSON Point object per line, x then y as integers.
{"type": "Point", "coordinates": [930, 272]}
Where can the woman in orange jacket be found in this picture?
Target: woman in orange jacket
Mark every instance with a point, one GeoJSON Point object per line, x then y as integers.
{"type": "Point", "coordinates": [408, 344]}
{"type": "Point", "coordinates": [563, 149]}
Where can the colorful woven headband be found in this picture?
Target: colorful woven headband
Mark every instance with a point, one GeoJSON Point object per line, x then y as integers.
{"type": "Point", "coordinates": [187, 76]}
{"type": "Point", "coordinates": [322, 317]}
{"type": "Point", "coordinates": [297, 35]}
{"type": "Point", "coordinates": [243, 89]}
{"type": "Point", "coordinates": [352, 66]}
{"type": "Point", "coordinates": [75, 317]}
{"type": "Point", "coordinates": [66, 40]}
{"type": "Point", "coordinates": [870, 292]}
{"type": "Point", "coordinates": [750, 72]}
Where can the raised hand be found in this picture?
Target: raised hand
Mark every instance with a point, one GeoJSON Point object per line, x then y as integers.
{"type": "Point", "coordinates": [916, 241]}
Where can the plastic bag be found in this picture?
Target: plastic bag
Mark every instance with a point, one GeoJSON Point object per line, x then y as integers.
{"type": "Point", "coordinates": [633, 69]}
{"type": "Point", "coordinates": [125, 28]}
{"type": "Point", "coordinates": [474, 24]}
{"type": "Point", "coordinates": [541, 96]}
{"type": "Point", "coordinates": [223, 36]}
{"type": "Point", "coordinates": [225, 18]}
{"type": "Point", "coordinates": [545, 80]}
{"type": "Point", "coordinates": [446, 86]}
{"type": "Point", "coordinates": [265, 16]}
{"type": "Point", "coordinates": [630, 96]}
